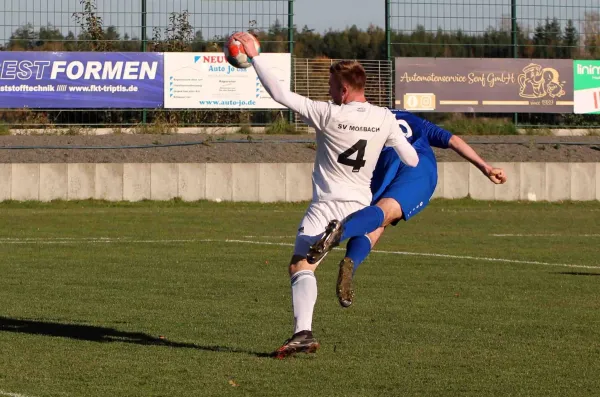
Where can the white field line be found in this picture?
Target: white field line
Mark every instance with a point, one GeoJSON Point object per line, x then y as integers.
{"type": "Point", "coordinates": [503, 210]}
{"type": "Point", "coordinates": [545, 235]}
{"type": "Point", "coordinates": [270, 236]}
{"type": "Point", "coordinates": [233, 241]}
{"type": "Point", "coordinates": [7, 394]}
{"type": "Point", "coordinates": [57, 238]}
{"type": "Point", "coordinates": [475, 258]}
{"type": "Point", "coordinates": [479, 258]}
{"type": "Point", "coordinates": [422, 254]}
{"type": "Point", "coordinates": [97, 241]}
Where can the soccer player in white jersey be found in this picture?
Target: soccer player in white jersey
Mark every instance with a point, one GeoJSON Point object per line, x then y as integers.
{"type": "Point", "coordinates": [350, 134]}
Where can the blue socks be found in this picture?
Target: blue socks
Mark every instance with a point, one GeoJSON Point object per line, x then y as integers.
{"type": "Point", "coordinates": [358, 249]}
{"type": "Point", "coordinates": [363, 222]}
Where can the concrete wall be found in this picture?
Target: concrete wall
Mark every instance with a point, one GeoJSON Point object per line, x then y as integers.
{"type": "Point", "coordinates": [271, 182]}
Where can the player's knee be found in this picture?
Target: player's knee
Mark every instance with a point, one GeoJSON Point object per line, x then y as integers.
{"type": "Point", "coordinates": [375, 236]}
{"type": "Point", "coordinates": [396, 216]}
{"type": "Point", "coordinates": [299, 263]}
{"type": "Point", "coordinates": [391, 209]}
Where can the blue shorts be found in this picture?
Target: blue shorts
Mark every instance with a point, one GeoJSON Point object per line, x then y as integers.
{"type": "Point", "coordinates": [411, 187]}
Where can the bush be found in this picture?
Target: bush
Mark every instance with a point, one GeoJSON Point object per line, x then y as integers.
{"type": "Point", "coordinates": [480, 126]}
{"type": "Point", "coordinates": [280, 127]}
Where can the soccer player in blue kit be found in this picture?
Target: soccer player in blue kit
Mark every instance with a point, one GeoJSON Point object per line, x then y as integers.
{"type": "Point", "coordinates": [399, 193]}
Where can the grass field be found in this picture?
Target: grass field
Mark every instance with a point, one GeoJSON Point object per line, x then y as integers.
{"type": "Point", "coordinates": [175, 299]}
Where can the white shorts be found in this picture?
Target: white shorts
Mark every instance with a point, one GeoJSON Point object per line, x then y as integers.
{"type": "Point", "coordinates": [317, 216]}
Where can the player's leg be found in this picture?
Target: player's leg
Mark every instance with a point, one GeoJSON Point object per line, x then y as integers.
{"type": "Point", "coordinates": [303, 285]}
{"type": "Point", "coordinates": [367, 219]}
{"type": "Point", "coordinates": [360, 223]}
{"type": "Point", "coordinates": [357, 250]}
{"type": "Point", "coordinates": [302, 274]}
{"type": "Point", "coordinates": [304, 291]}
{"type": "Point", "coordinates": [397, 197]}
{"type": "Point", "coordinates": [304, 297]}
{"type": "Point", "coordinates": [411, 190]}
{"type": "Point", "coordinates": [385, 211]}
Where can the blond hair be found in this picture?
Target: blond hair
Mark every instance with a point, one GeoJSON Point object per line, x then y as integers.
{"type": "Point", "coordinates": [351, 73]}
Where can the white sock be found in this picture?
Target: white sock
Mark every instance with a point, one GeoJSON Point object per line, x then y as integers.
{"type": "Point", "coordinates": [304, 297]}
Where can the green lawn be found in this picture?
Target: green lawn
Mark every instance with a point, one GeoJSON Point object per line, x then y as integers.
{"type": "Point", "coordinates": [176, 299]}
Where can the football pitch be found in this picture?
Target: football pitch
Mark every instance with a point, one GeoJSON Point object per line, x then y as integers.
{"type": "Point", "coordinates": [188, 299]}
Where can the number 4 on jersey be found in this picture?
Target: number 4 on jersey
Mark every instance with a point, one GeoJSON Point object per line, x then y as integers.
{"type": "Point", "coordinates": [357, 163]}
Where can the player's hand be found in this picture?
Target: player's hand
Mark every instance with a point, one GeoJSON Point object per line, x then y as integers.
{"type": "Point", "coordinates": [247, 41]}
{"type": "Point", "coordinates": [497, 175]}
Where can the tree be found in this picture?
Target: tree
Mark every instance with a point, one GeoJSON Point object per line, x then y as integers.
{"type": "Point", "coordinates": [547, 39]}
{"type": "Point", "coordinates": [376, 48]}
{"type": "Point", "coordinates": [198, 43]}
{"type": "Point", "coordinates": [591, 33]}
{"type": "Point", "coordinates": [553, 38]}
{"type": "Point", "coordinates": [50, 39]}
{"type": "Point", "coordinates": [337, 45]}
{"type": "Point", "coordinates": [274, 39]}
{"type": "Point", "coordinates": [308, 43]}
{"type": "Point", "coordinates": [177, 36]}
{"type": "Point", "coordinates": [111, 34]}
{"type": "Point", "coordinates": [23, 38]}
{"type": "Point", "coordinates": [539, 40]}
{"type": "Point", "coordinates": [92, 36]}
{"type": "Point", "coordinates": [570, 41]}
{"type": "Point", "coordinates": [70, 43]}
{"type": "Point", "coordinates": [130, 44]}
{"type": "Point", "coordinates": [497, 43]}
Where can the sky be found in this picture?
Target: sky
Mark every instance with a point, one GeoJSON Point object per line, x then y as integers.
{"type": "Point", "coordinates": [348, 12]}
{"type": "Point", "coordinates": [224, 16]}
{"type": "Point", "coordinates": [469, 15]}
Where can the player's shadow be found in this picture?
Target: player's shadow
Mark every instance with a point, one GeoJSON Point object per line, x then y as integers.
{"type": "Point", "coordinates": [105, 335]}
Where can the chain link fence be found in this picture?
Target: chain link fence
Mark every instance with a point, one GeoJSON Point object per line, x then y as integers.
{"type": "Point", "coordinates": [139, 25]}
{"type": "Point", "coordinates": [435, 28]}
{"type": "Point", "coordinates": [311, 79]}
{"type": "Point", "coordinates": [551, 29]}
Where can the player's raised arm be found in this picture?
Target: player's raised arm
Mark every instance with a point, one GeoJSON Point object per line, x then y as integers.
{"type": "Point", "coordinates": [440, 138]}
{"type": "Point", "coordinates": [461, 147]}
{"type": "Point", "coordinates": [314, 112]}
{"type": "Point", "coordinates": [398, 141]}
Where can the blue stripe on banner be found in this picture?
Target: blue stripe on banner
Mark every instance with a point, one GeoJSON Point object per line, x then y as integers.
{"type": "Point", "coordinates": [53, 80]}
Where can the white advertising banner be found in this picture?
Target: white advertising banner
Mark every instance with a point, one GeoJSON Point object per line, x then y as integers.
{"type": "Point", "coordinates": [205, 80]}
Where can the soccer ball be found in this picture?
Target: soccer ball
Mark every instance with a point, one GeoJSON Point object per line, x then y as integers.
{"type": "Point", "coordinates": [235, 54]}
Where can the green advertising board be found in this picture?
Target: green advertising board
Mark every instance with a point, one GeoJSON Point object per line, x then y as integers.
{"type": "Point", "coordinates": [587, 87]}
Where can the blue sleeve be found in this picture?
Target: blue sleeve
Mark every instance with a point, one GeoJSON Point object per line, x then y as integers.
{"type": "Point", "coordinates": [423, 129]}
{"type": "Point", "coordinates": [437, 136]}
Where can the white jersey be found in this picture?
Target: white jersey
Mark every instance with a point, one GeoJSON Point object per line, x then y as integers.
{"type": "Point", "coordinates": [350, 138]}
{"type": "Point", "coordinates": [349, 141]}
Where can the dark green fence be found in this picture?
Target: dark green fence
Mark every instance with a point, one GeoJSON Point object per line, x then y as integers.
{"type": "Point", "coordinates": [140, 25]}
{"type": "Point", "coordinates": [432, 28]}
{"type": "Point", "coordinates": [554, 29]}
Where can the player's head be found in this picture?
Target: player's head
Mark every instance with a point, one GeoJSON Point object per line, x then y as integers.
{"type": "Point", "coordinates": [347, 80]}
